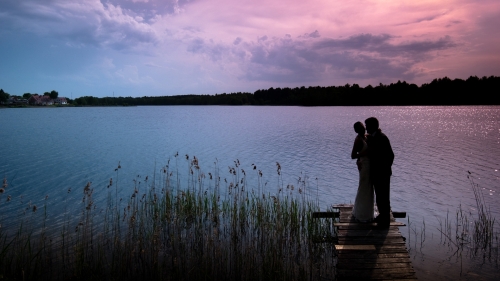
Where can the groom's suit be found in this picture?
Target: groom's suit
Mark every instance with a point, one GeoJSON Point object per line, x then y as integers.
{"type": "Point", "coordinates": [381, 157]}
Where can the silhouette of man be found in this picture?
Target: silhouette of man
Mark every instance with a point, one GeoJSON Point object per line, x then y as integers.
{"type": "Point", "coordinates": [381, 158]}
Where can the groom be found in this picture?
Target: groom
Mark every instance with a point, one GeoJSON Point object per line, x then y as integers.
{"type": "Point", "coordinates": [381, 157]}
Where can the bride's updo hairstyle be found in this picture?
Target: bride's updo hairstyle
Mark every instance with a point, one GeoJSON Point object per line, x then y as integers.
{"type": "Point", "coordinates": [359, 128]}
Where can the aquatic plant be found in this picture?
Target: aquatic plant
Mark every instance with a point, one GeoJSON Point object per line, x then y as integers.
{"type": "Point", "coordinates": [209, 228]}
{"type": "Point", "coordinates": [473, 231]}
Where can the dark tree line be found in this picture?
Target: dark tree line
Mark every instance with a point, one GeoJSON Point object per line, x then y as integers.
{"type": "Point", "coordinates": [442, 91]}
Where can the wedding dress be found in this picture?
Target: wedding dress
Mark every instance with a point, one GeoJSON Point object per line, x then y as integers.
{"type": "Point", "coordinates": [363, 205]}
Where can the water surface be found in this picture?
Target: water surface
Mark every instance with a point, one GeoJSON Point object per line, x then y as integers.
{"type": "Point", "coordinates": [46, 151]}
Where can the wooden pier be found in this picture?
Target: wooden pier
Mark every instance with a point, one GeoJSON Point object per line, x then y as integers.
{"type": "Point", "coordinates": [366, 252]}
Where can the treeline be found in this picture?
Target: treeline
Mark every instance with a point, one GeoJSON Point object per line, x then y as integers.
{"type": "Point", "coordinates": [442, 91]}
{"type": "Point", "coordinates": [4, 96]}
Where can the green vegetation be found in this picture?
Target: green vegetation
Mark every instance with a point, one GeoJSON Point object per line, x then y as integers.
{"type": "Point", "coordinates": [206, 229]}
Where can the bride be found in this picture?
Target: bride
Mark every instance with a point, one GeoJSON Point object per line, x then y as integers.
{"type": "Point", "coordinates": [363, 205]}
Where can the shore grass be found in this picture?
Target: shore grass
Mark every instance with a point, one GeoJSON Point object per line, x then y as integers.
{"type": "Point", "coordinates": [205, 228]}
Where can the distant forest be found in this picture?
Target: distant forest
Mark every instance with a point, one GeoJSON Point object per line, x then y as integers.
{"type": "Point", "coordinates": [442, 91]}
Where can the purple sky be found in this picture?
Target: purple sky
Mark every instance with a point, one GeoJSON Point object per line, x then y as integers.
{"type": "Point", "coordinates": [173, 47]}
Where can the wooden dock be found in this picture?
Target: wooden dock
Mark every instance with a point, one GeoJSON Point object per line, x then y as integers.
{"type": "Point", "coordinates": [366, 252]}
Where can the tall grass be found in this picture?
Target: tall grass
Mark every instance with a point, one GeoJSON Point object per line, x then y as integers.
{"type": "Point", "coordinates": [205, 228]}
{"type": "Point", "coordinates": [474, 232]}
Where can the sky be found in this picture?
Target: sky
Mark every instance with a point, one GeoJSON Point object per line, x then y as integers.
{"type": "Point", "coordinates": [176, 47]}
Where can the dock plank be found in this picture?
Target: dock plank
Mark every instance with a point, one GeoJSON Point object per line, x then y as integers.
{"type": "Point", "coordinates": [365, 251]}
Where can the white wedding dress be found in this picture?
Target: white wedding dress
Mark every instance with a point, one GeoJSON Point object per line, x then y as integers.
{"type": "Point", "coordinates": [363, 205]}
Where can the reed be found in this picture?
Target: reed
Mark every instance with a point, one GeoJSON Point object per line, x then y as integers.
{"type": "Point", "coordinates": [474, 232]}
{"type": "Point", "coordinates": [205, 229]}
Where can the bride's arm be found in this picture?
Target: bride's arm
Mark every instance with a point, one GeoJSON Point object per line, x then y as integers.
{"type": "Point", "coordinates": [356, 148]}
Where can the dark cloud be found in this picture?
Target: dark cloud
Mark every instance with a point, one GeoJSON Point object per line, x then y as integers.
{"type": "Point", "coordinates": [237, 41]}
{"type": "Point", "coordinates": [214, 52]}
{"type": "Point", "coordinates": [417, 48]}
{"type": "Point", "coordinates": [307, 59]}
{"type": "Point", "coordinates": [148, 9]}
{"type": "Point", "coordinates": [263, 38]}
{"type": "Point", "coordinates": [314, 34]}
{"type": "Point", "coordinates": [358, 42]}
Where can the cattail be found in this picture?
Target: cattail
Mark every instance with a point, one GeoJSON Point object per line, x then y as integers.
{"type": "Point", "coordinates": [4, 185]}
{"type": "Point", "coordinates": [34, 208]}
{"type": "Point", "coordinates": [119, 166]}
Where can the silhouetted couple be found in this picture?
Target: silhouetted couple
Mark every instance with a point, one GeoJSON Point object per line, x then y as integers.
{"type": "Point", "coordinates": [374, 156]}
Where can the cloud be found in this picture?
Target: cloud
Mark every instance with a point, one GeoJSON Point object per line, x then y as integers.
{"type": "Point", "coordinates": [425, 18]}
{"type": "Point", "coordinates": [86, 22]}
{"type": "Point", "coordinates": [214, 52]}
{"type": "Point", "coordinates": [237, 41]}
{"type": "Point", "coordinates": [306, 59]}
{"type": "Point", "coordinates": [225, 44]}
{"type": "Point", "coordinates": [314, 34]}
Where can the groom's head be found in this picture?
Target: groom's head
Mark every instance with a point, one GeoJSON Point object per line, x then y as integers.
{"type": "Point", "coordinates": [371, 125]}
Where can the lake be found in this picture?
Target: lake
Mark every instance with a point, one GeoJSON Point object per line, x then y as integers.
{"type": "Point", "coordinates": [46, 151]}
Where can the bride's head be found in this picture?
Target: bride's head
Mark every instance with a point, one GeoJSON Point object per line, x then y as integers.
{"type": "Point", "coordinates": [359, 128]}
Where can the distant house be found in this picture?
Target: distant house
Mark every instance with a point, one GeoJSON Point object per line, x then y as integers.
{"type": "Point", "coordinates": [45, 100]}
{"type": "Point", "coordinates": [16, 101]}
{"type": "Point", "coordinates": [60, 101]}
{"type": "Point", "coordinates": [35, 100]}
